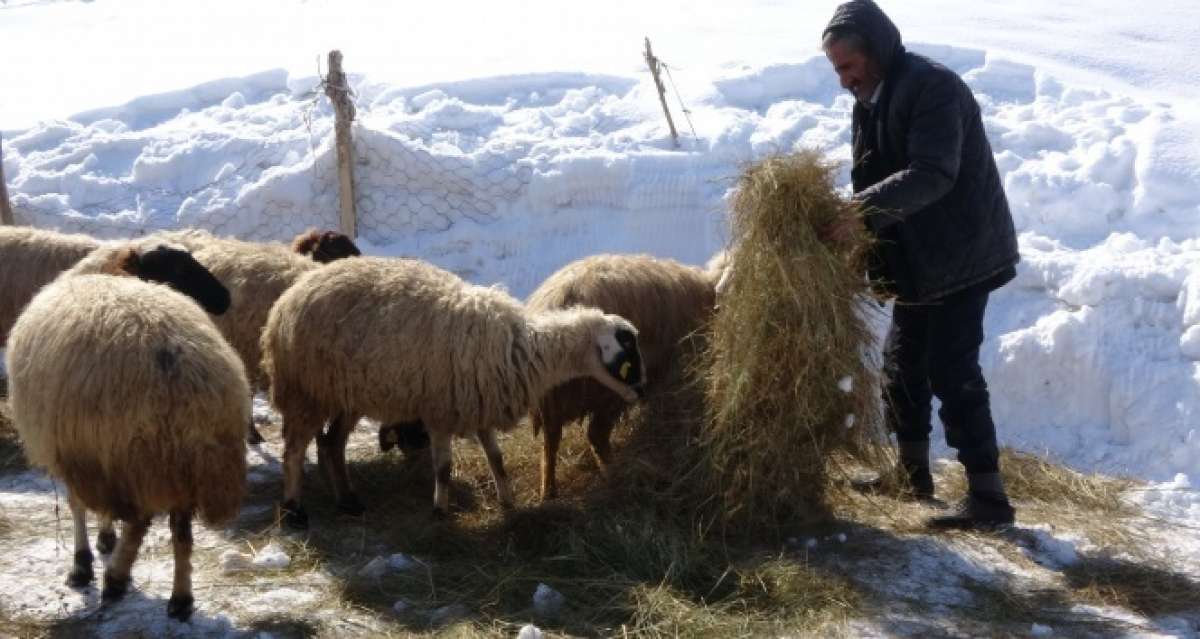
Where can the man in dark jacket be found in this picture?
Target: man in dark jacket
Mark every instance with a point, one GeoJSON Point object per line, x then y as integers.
{"type": "Point", "coordinates": [924, 172]}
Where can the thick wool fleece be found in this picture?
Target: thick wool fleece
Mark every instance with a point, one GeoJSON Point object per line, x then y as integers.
{"type": "Point", "coordinates": [127, 392]}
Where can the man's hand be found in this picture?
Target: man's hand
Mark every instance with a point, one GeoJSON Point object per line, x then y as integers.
{"type": "Point", "coordinates": [841, 229]}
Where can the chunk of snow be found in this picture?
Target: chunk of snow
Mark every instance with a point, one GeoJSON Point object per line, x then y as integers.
{"type": "Point", "coordinates": [846, 384]}
{"type": "Point", "coordinates": [1038, 630]}
{"type": "Point", "coordinates": [1189, 343]}
{"type": "Point", "coordinates": [400, 562]}
{"type": "Point", "coordinates": [547, 601]}
{"type": "Point", "coordinates": [380, 565]}
{"type": "Point", "coordinates": [235, 101]}
{"type": "Point", "coordinates": [529, 631]}
{"type": "Point", "coordinates": [271, 557]}
{"type": "Point", "coordinates": [1049, 550]}
{"type": "Point", "coordinates": [233, 561]}
{"type": "Point", "coordinates": [447, 614]}
{"type": "Point", "coordinates": [375, 568]}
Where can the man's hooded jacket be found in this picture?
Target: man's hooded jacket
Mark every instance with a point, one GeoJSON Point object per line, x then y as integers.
{"type": "Point", "coordinates": [924, 169]}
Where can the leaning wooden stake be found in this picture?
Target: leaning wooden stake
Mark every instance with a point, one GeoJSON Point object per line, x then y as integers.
{"type": "Point", "coordinates": [338, 91]}
{"type": "Point", "coordinates": [655, 65]}
{"type": "Point", "coordinates": [6, 212]}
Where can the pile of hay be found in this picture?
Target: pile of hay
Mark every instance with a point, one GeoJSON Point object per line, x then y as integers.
{"type": "Point", "coordinates": [791, 394]}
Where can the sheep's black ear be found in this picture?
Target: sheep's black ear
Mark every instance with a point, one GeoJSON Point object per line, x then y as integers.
{"type": "Point", "coordinates": [306, 242]}
{"type": "Point", "coordinates": [626, 338]}
{"type": "Point", "coordinates": [334, 246]}
{"type": "Point", "coordinates": [178, 269]}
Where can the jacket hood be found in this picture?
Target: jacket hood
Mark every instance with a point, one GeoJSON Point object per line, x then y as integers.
{"type": "Point", "coordinates": [867, 19]}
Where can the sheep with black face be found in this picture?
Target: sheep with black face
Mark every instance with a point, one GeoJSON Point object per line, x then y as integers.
{"type": "Point", "coordinates": [669, 302]}
{"type": "Point", "coordinates": [123, 388]}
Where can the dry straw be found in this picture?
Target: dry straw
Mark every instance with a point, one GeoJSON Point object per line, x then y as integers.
{"type": "Point", "coordinates": [792, 394]}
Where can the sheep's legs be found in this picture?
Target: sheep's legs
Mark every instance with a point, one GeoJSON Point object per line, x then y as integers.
{"type": "Point", "coordinates": [297, 433]}
{"type": "Point", "coordinates": [331, 453]}
{"type": "Point", "coordinates": [439, 441]}
{"type": "Point", "coordinates": [180, 605]}
{"type": "Point", "coordinates": [81, 570]}
{"type": "Point", "coordinates": [551, 437]}
{"type": "Point", "coordinates": [252, 434]}
{"type": "Point", "coordinates": [599, 434]}
{"type": "Point", "coordinates": [106, 539]}
{"type": "Point", "coordinates": [504, 491]}
{"type": "Point", "coordinates": [116, 578]}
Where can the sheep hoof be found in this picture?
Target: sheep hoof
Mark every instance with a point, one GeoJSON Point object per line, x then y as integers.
{"type": "Point", "coordinates": [350, 505]}
{"type": "Point", "coordinates": [293, 515]}
{"type": "Point", "coordinates": [106, 541]}
{"type": "Point", "coordinates": [114, 588]}
{"type": "Point", "coordinates": [180, 607]}
{"type": "Point", "coordinates": [387, 438]}
{"type": "Point", "coordinates": [81, 573]}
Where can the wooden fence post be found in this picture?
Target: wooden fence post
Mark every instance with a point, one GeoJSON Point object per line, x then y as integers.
{"type": "Point", "coordinates": [6, 212]}
{"type": "Point", "coordinates": [338, 91]}
{"type": "Point", "coordinates": [654, 64]}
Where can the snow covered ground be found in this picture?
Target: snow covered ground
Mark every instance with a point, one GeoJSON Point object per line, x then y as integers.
{"type": "Point", "coordinates": [506, 146]}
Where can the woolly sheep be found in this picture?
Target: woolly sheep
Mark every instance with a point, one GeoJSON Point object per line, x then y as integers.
{"type": "Point", "coordinates": [668, 302]}
{"type": "Point", "coordinates": [255, 274]}
{"type": "Point", "coordinates": [410, 437]}
{"type": "Point", "coordinates": [29, 259]}
{"type": "Point", "coordinates": [400, 340]}
{"type": "Point", "coordinates": [125, 391]}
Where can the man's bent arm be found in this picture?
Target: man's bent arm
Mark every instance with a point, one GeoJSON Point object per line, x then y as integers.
{"type": "Point", "coordinates": [935, 139]}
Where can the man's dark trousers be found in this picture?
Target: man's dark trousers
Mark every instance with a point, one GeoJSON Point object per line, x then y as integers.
{"type": "Point", "coordinates": [933, 349]}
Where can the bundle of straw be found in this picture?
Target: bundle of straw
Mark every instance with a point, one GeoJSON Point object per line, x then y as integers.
{"type": "Point", "coordinates": [792, 396]}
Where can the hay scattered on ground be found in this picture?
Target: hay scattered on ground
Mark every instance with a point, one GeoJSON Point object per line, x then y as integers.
{"type": "Point", "coordinates": [1037, 481]}
{"type": "Point", "coordinates": [789, 387]}
{"type": "Point", "coordinates": [1149, 587]}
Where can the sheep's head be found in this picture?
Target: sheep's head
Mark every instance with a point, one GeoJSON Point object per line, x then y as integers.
{"type": "Point", "coordinates": [175, 267]}
{"type": "Point", "coordinates": [325, 247]}
{"type": "Point", "coordinates": [619, 361]}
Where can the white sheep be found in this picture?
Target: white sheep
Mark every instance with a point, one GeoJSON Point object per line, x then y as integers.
{"type": "Point", "coordinates": [402, 340]}
{"type": "Point", "coordinates": [669, 302]}
{"type": "Point", "coordinates": [124, 390]}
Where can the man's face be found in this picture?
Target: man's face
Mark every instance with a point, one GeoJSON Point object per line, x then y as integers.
{"type": "Point", "coordinates": [857, 73]}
